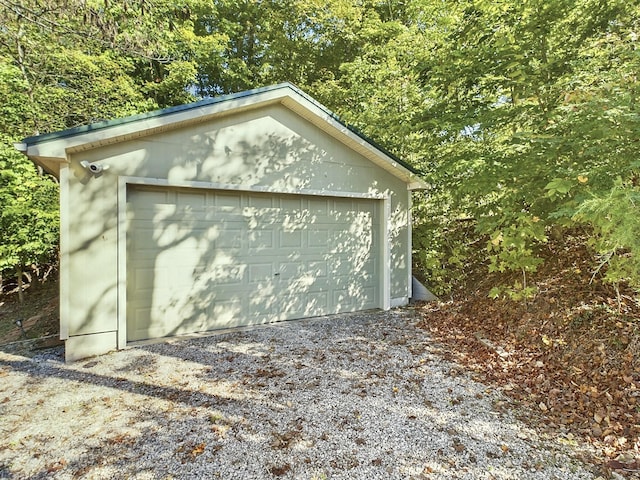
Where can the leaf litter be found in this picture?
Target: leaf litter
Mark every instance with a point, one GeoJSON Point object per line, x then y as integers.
{"type": "Point", "coordinates": [570, 356]}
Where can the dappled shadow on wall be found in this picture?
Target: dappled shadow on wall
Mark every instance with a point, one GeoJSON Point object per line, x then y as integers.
{"type": "Point", "coordinates": [189, 242]}
{"type": "Point", "coordinates": [201, 260]}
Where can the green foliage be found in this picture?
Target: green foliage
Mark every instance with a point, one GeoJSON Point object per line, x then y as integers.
{"type": "Point", "coordinates": [86, 89]}
{"type": "Point", "coordinates": [533, 112]}
{"type": "Point", "coordinates": [616, 240]}
{"type": "Point", "coordinates": [15, 110]}
{"type": "Point", "coordinates": [28, 201]}
{"type": "Point", "coordinates": [523, 116]}
{"type": "Point", "coordinates": [49, 80]}
{"type": "Point", "coordinates": [29, 213]}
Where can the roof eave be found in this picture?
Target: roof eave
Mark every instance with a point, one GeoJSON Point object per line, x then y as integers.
{"type": "Point", "coordinates": [51, 150]}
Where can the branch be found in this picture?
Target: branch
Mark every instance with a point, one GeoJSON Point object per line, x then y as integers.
{"type": "Point", "coordinates": [499, 350]}
{"type": "Point", "coordinates": [35, 18]}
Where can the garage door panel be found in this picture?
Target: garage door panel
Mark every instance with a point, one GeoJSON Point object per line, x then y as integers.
{"type": "Point", "coordinates": [367, 294]}
{"type": "Point", "coordinates": [260, 273]}
{"type": "Point", "coordinates": [317, 303]}
{"type": "Point", "coordinates": [193, 199]}
{"type": "Point", "coordinates": [223, 275]}
{"type": "Point", "coordinates": [216, 259]}
{"type": "Point", "coordinates": [288, 271]}
{"type": "Point", "coordinates": [150, 323]}
{"type": "Point", "coordinates": [143, 278]}
{"type": "Point", "coordinates": [224, 237]}
{"type": "Point", "coordinates": [260, 306]}
{"type": "Point", "coordinates": [261, 240]}
{"type": "Point", "coordinates": [291, 239]}
{"type": "Point", "coordinates": [225, 314]}
{"type": "Point", "coordinates": [318, 205]}
{"type": "Point", "coordinates": [318, 237]}
{"type": "Point", "coordinates": [138, 324]}
{"type": "Point", "coordinates": [158, 197]}
{"type": "Point", "coordinates": [317, 269]}
{"type": "Point", "coordinates": [342, 301]}
{"type": "Point", "coordinates": [227, 200]}
{"type": "Point", "coordinates": [289, 307]}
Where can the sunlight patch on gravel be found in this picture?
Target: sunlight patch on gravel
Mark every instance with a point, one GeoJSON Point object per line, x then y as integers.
{"type": "Point", "coordinates": [352, 396]}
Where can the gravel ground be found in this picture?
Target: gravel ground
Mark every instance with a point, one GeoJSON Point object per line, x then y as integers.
{"type": "Point", "coordinates": [358, 396]}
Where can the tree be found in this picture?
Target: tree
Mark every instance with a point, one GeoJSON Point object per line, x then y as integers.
{"type": "Point", "coordinates": [28, 217]}
{"type": "Point", "coordinates": [55, 73]}
{"type": "Point", "coordinates": [524, 125]}
{"type": "Point", "coordinates": [521, 115]}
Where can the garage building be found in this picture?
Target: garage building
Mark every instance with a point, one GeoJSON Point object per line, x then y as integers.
{"type": "Point", "coordinates": [233, 211]}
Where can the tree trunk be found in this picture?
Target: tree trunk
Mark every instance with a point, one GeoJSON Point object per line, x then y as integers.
{"type": "Point", "coordinates": [34, 279]}
{"type": "Point", "coordinates": [20, 290]}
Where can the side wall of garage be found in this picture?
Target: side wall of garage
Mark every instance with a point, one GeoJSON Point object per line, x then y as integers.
{"type": "Point", "coordinates": [271, 149]}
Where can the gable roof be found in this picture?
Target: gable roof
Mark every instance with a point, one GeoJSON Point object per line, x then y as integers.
{"type": "Point", "coordinates": [52, 149]}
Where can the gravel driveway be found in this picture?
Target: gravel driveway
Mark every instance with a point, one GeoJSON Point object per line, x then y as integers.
{"type": "Point", "coordinates": [358, 396]}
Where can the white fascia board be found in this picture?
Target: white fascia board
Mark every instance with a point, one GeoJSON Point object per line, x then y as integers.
{"type": "Point", "coordinates": [320, 118]}
{"type": "Point", "coordinates": [417, 184]}
{"type": "Point", "coordinates": [59, 148]}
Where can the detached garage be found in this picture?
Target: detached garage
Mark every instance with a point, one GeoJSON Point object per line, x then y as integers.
{"type": "Point", "coordinates": [240, 210]}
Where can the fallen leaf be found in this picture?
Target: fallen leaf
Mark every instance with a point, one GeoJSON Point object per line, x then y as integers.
{"type": "Point", "coordinates": [280, 470]}
{"type": "Point", "coordinates": [82, 471]}
{"type": "Point", "coordinates": [565, 351]}
{"type": "Point", "coordinates": [616, 465]}
{"type": "Point", "coordinates": [598, 416]}
{"type": "Point", "coordinates": [57, 466]}
{"type": "Point", "coordinates": [458, 446]}
{"type": "Point", "coordinates": [627, 457]}
{"type": "Point", "coordinates": [198, 450]}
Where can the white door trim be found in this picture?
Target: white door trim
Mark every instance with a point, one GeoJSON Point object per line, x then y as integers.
{"type": "Point", "coordinates": [125, 181]}
{"type": "Point", "coordinates": [122, 262]}
{"type": "Point", "coordinates": [385, 248]}
{"type": "Point", "coordinates": [249, 188]}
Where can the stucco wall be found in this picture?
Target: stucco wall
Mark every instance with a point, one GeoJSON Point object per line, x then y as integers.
{"type": "Point", "coordinates": [271, 147]}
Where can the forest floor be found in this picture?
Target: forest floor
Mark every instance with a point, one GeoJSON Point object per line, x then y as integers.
{"type": "Point", "coordinates": [571, 354]}
{"type": "Point", "coordinates": [34, 323]}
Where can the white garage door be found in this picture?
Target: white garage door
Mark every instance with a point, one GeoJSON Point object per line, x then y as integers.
{"type": "Point", "coordinates": [200, 260]}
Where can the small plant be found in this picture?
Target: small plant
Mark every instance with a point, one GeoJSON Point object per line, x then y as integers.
{"type": "Point", "coordinates": [216, 417]}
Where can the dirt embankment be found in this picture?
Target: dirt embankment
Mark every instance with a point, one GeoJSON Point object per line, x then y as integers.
{"type": "Point", "coordinates": [34, 323]}
{"type": "Point", "coordinates": [572, 353]}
